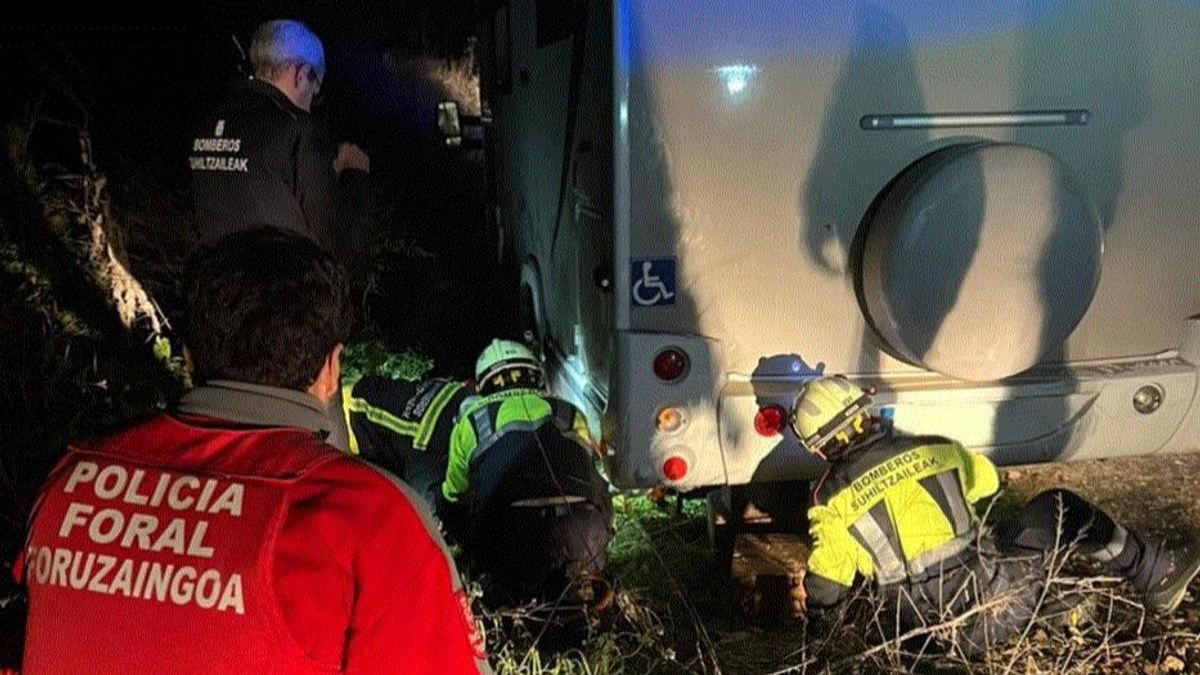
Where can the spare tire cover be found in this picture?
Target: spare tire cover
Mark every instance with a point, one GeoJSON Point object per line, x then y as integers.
{"type": "Point", "coordinates": [979, 260]}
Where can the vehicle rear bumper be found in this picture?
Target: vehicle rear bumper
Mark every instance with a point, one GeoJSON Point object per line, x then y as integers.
{"type": "Point", "coordinates": [1054, 413]}
{"type": "Point", "coordinates": [1080, 410]}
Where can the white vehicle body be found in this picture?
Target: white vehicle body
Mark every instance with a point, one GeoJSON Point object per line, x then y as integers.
{"type": "Point", "coordinates": [990, 211]}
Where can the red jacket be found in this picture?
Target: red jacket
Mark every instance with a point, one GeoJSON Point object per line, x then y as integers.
{"type": "Point", "coordinates": [188, 544]}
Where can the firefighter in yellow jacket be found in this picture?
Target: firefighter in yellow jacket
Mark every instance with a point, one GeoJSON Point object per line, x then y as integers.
{"type": "Point", "coordinates": [899, 510]}
{"type": "Point", "coordinates": [509, 469]}
{"type": "Point", "coordinates": [521, 493]}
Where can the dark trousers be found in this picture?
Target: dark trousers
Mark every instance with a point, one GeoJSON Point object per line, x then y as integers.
{"type": "Point", "coordinates": [536, 550]}
{"type": "Point", "coordinates": [1003, 582]}
{"type": "Point", "coordinates": [1060, 519]}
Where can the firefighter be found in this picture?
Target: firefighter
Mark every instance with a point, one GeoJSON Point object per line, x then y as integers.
{"type": "Point", "coordinates": [537, 479]}
{"type": "Point", "coordinates": [226, 535]}
{"type": "Point", "coordinates": [899, 510]}
{"type": "Point", "coordinates": [404, 427]}
{"type": "Point", "coordinates": [521, 490]}
{"type": "Point", "coordinates": [259, 158]}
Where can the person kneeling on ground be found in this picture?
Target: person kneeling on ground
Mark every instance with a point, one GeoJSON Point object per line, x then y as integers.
{"type": "Point", "coordinates": [227, 535]}
{"type": "Point", "coordinates": [898, 509]}
{"type": "Point", "coordinates": [522, 493]}
{"type": "Point", "coordinates": [404, 427]}
{"type": "Point", "coordinates": [510, 469]}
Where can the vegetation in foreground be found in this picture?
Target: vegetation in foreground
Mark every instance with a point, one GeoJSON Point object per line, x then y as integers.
{"type": "Point", "coordinates": [675, 614]}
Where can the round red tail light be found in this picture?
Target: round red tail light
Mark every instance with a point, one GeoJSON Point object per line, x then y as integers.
{"type": "Point", "coordinates": [769, 420]}
{"type": "Point", "coordinates": [671, 364]}
{"type": "Point", "coordinates": [675, 468]}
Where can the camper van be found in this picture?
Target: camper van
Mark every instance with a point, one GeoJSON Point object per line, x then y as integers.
{"type": "Point", "coordinates": [990, 212]}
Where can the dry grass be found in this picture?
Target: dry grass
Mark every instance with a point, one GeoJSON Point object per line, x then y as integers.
{"type": "Point", "coordinates": [675, 616]}
{"type": "Point", "coordinates": [1109, 631]}
{"type": "Point", "coordinates": [652, 626]}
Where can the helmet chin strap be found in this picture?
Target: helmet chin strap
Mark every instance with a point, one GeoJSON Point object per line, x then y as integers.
{"type": "Point", "coordinates": [874, 429]}
{"type": "Point", "coordinates": [864, 431]}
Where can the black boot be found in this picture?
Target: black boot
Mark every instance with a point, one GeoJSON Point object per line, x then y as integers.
{"type": "Point", "coordinates": [1165, 572]}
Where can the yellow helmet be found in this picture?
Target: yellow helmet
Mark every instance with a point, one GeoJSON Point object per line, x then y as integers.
{"type": "Point", "coordinates": [829, 409]}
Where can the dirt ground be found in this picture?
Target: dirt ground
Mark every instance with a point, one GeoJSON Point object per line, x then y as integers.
{"type": "Point", "coordinates": [1158, 496]}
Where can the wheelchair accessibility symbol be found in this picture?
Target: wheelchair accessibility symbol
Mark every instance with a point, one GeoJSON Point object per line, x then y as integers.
{"type": "Point", "coordinates": [653, 282]}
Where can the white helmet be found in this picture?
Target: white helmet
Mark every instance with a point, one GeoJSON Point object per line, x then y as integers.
{"type": "Point", "coordinates": [506, 364]}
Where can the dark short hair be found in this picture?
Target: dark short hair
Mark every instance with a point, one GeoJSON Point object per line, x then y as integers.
{"type": "Point", "coordinates": [266, 307]}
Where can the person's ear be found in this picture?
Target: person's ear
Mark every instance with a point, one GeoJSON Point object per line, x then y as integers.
{"type": "Point", "coordinates": [334, 363]}
{"type": "Point", "coordinates": [299, 75]}
{"type": "Point", "coordinates": [329, 378]}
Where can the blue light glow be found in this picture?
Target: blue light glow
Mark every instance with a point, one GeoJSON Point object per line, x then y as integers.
{"type": "Point", "coordinates": [737, 31]}
{"type": "Point", "coordinates": [736, 77]}
{"type": "Point", "coordinates": [800, 367]}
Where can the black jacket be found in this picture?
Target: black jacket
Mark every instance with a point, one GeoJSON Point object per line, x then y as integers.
{"type": "Point", "coordinates": [259, 160]}
{"type": "Point", "coordinates": [405, 427]}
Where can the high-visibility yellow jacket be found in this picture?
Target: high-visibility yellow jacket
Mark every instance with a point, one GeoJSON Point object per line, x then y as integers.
{"type": "Point", "coordinates": [894, 510]}
{"type": "Point", "coordinates": [501, 426]}
{"type": "Point", "coordinates": [404, 427]}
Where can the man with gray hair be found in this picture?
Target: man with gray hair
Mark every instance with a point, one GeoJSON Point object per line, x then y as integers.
{"type": "Point", "coordinates": [260, 159]}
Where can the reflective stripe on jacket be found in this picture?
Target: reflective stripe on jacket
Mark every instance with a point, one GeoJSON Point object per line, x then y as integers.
{"type": "Point", "coordinates": [503, 423]}
{"type": "Point", "coordinates": [410, 410]}
{"type": "Point", "coordinates": [893, 511]}
{"type": "Point", "coordinates": [404, 427]}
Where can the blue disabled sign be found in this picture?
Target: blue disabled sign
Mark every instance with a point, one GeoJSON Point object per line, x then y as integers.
{"type": "Point", "coordinates": [652, 282]}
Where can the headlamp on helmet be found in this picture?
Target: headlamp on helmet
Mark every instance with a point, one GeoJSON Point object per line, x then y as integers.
{"type": "Point", "coordinates": [506, 364]}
